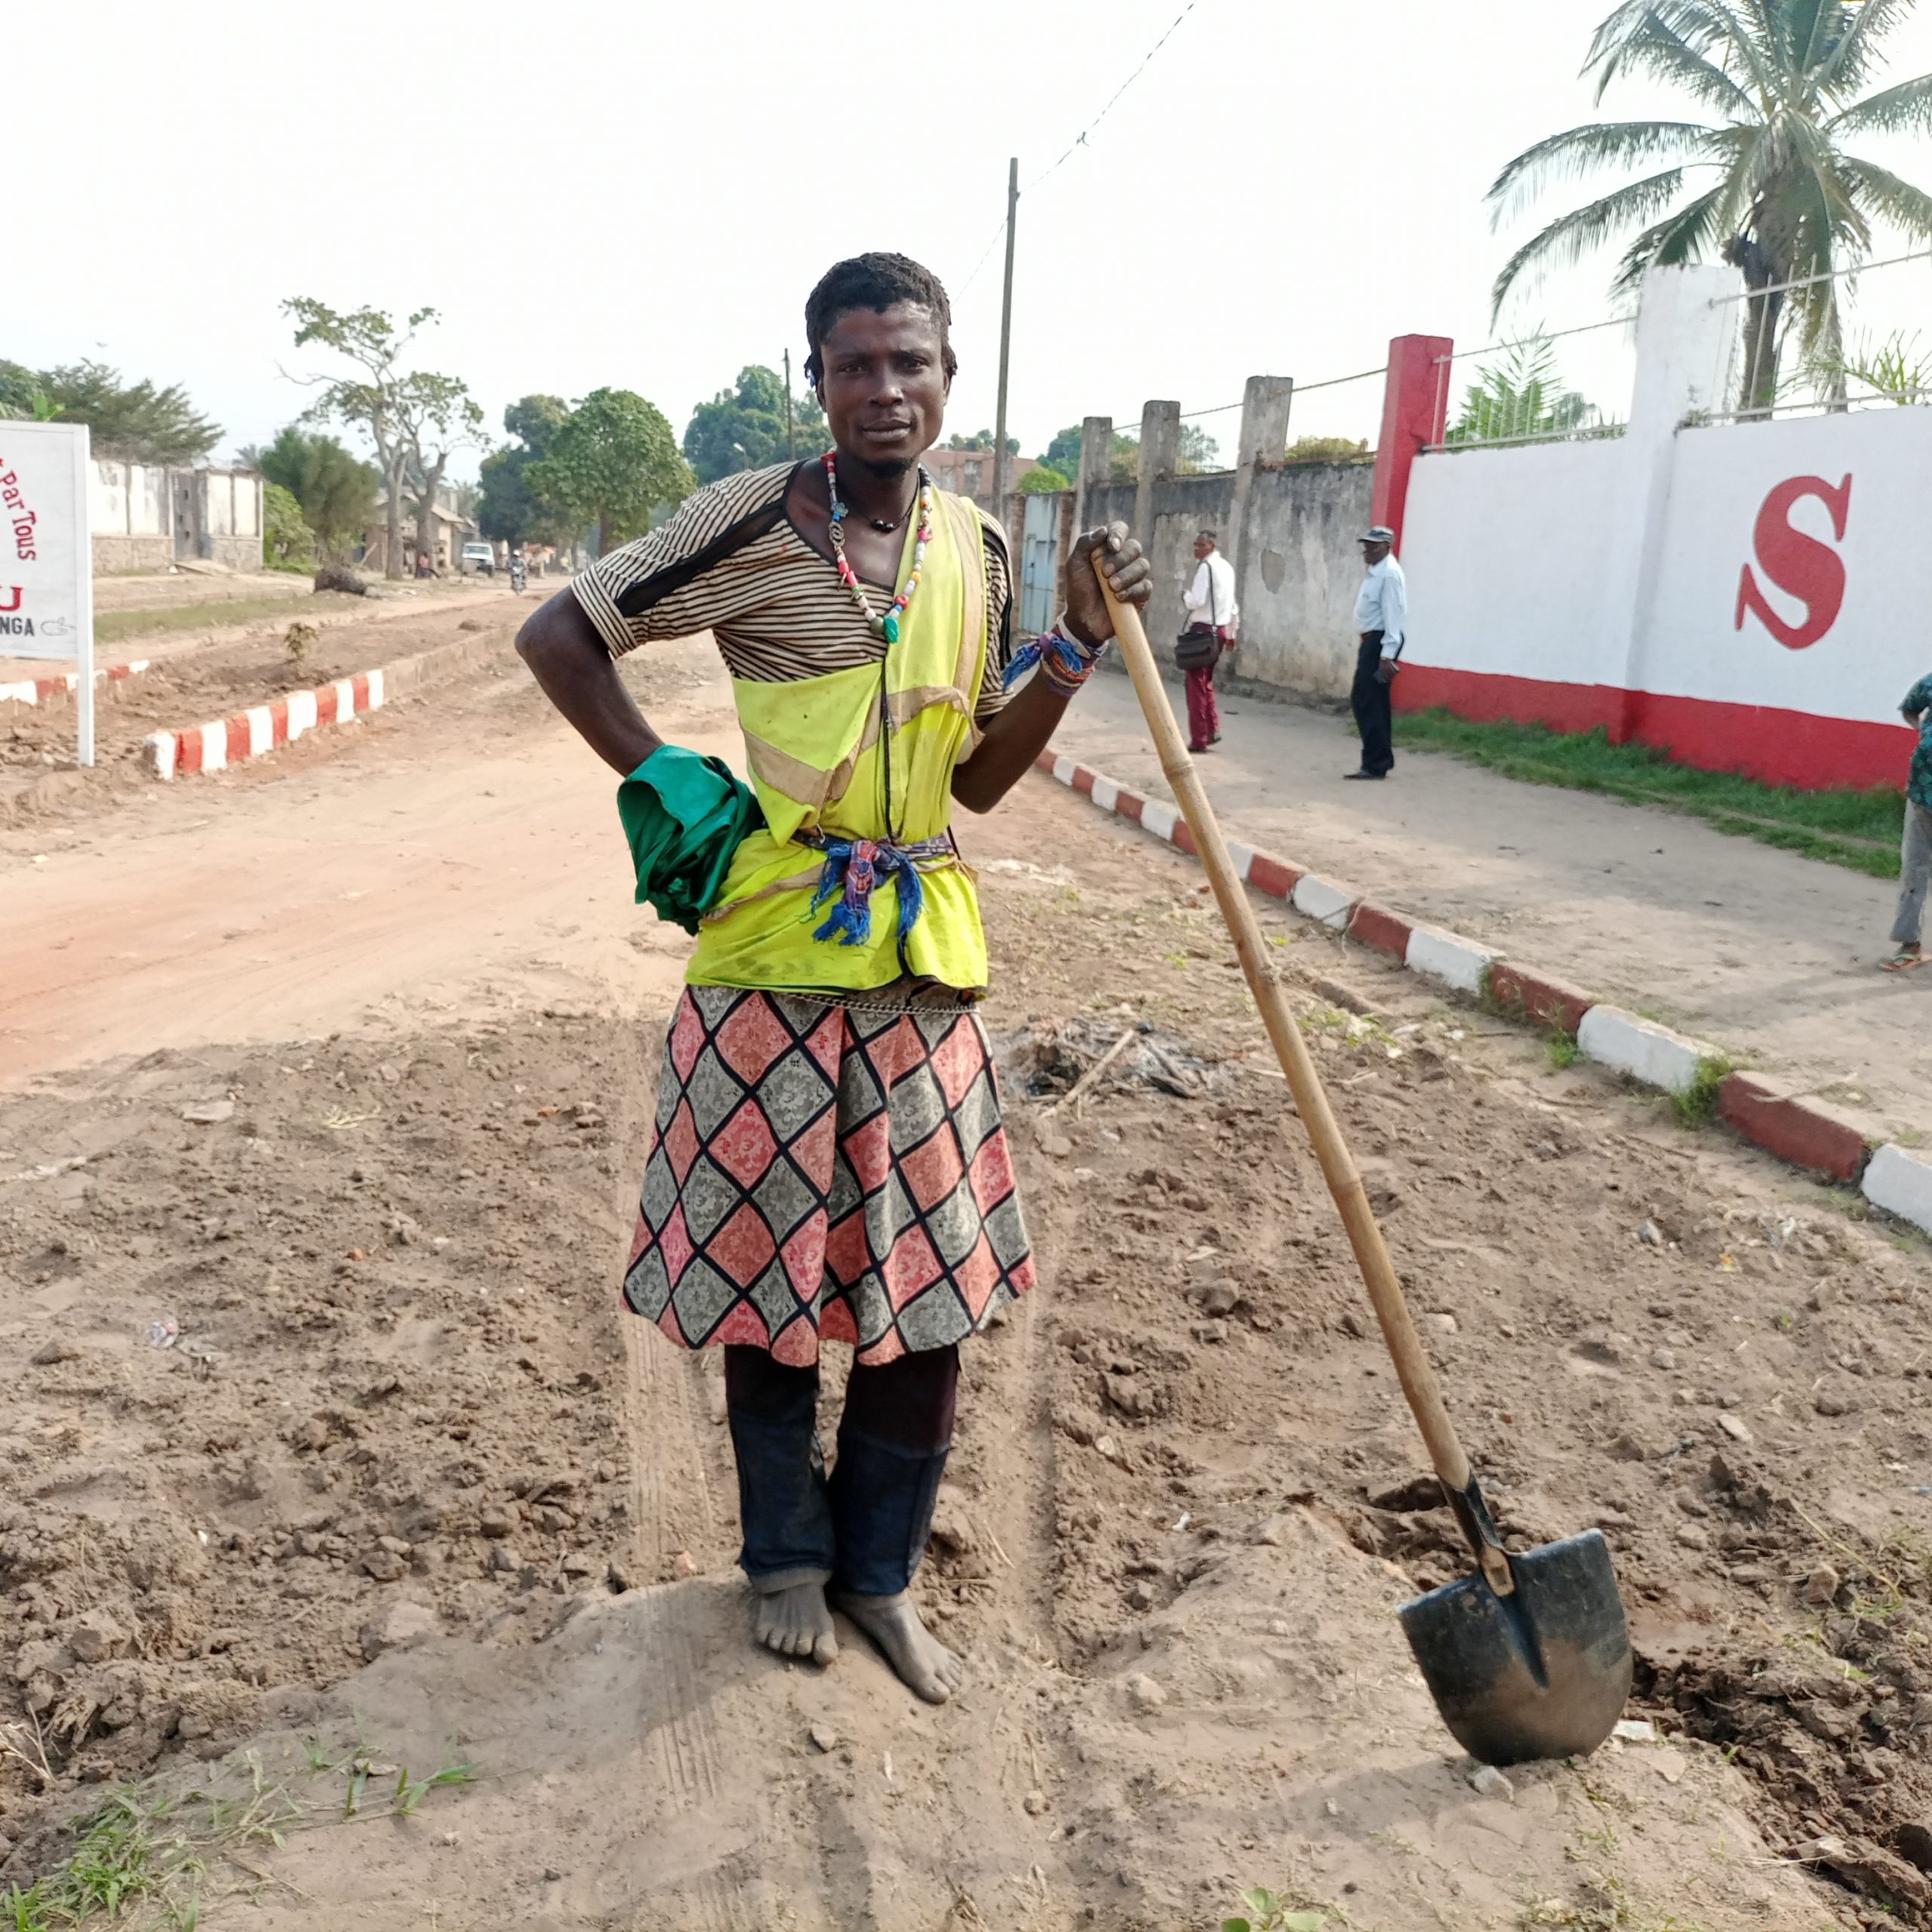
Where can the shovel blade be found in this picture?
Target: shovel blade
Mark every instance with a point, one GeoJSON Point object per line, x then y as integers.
{"type": "Point", "coordinates": [1542, 1673]}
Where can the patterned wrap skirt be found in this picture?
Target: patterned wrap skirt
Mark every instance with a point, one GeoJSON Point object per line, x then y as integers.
{"type": "Point", "coordinates": [822, 1170]}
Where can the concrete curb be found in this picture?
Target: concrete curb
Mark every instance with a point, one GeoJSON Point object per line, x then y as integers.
{"type": "Point", "coordinates": [263, 728]}
{"type": "Point", "coordinates": [1804, 1133]}
{"type": "Point", "coordinates": [41, 690]}
{"type": "Point", "coordinates": [1900, 1182]}
{"type": "Point", "coordinates": [1655, 1055]}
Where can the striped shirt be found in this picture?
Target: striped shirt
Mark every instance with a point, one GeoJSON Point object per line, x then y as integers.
{"type": "Point", "coordinates": [731, 562]}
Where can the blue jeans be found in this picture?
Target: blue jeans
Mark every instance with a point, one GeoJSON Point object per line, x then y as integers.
{"type": "Point", "coordinates": [864, 1529]}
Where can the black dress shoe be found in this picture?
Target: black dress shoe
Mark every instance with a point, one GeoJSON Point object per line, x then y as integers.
{"type": "Point", "coordinates": [1364, 774]}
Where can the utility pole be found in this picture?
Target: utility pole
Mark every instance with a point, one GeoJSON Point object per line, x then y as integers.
{"type": "Point", "coordinates": [791, 441]}
{"type": "Point", "coordinates": [1002, 462]}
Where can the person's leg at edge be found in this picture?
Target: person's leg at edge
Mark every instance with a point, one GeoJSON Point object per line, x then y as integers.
{"type": "Point", "coordinates": [1213, 705]}
{"type": "Point", "coordinates": [1915, 878]}
{"type": "Point", "coordinates": [892, 1441]}
{"type": "Point", "coordinates": [1200, 700]}
{"type": "Point", "coordinates": [784, 1503]}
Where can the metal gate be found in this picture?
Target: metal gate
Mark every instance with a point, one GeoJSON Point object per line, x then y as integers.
{"type": "Point", "coordinates": [1039, 561]}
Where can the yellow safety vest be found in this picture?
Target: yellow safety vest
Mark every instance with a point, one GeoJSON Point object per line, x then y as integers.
{"type": "Point", "coordinates": [821, 752]}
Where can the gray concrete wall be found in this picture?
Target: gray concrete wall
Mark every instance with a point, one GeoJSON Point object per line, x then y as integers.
{"type": "Point", "coordinates": [114, 555]}
{"type": "Point", "coordinates": [1298, 573]}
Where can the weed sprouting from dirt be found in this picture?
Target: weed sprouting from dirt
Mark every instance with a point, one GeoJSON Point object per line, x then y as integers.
{"type": "Point", "coordinates": [1562, 1049]}
{"type": "Point", "coordinates": [1268, 1911]}
{"type": "Point", "coordinates": [299, 640]}
{"type": "Point", "coordinates": [1698, 1101]}
{"type": "Point", "coordinates": [144, 1857]}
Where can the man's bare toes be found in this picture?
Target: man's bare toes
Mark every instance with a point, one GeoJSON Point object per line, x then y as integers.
{"type": "Point", "coordinates": [825, 1647]}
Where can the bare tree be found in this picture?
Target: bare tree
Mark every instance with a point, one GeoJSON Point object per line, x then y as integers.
{"type": "Point", "coordinates": [401, 412]}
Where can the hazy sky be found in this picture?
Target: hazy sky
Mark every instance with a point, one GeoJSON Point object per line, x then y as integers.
{"type": "Point", "coordinates": [642, 195]}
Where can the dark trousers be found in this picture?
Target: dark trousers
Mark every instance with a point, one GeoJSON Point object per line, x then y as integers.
{"type": "Point", "coordinates": [1368, 699]}
{"type": "Point", "coordinates": [865, 1529]}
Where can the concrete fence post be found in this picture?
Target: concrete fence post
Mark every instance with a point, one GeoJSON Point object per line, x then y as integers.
{"type": "Point", "coordinates": [1264, 405]}
{"type": "Point", "coordinates": [1097, 462]}
{"type": "Point", "coordinates": [1160, 458]}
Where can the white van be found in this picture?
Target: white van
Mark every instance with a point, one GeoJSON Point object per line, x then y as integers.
{"type": "Point", "coordinates": [479, 559]}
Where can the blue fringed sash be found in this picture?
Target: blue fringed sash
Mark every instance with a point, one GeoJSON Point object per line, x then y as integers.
{"type": "Point", "coordinates": [852, 869]}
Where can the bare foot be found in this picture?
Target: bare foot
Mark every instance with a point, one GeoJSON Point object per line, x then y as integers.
{"type": "Point", "coordinates": [795, 1623]}
{"type": "Point", "coordinates": [924, 1665]}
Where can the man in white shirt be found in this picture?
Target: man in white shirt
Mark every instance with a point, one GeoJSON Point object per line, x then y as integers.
{"type": "Point", "coordinates": [1382, 617]}
{"type": "Point", "coordinates": [1211, 617]}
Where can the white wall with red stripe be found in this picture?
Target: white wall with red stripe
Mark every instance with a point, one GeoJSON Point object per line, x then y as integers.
{"type": "Point", "coordinates": [1749, 596]}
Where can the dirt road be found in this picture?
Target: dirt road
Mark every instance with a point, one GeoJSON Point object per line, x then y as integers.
{"type": "Point", "coordinates": [329, 1082]}
{"type": "Point", "coordinates": [1768, 955]}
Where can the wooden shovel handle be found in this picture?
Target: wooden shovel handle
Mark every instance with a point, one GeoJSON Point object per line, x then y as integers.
{"type": "Point", "coordinates": [1338, 1167]}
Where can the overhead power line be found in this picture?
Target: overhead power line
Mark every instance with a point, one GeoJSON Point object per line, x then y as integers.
{"type": "Point", "coordinates": [1079, 141]}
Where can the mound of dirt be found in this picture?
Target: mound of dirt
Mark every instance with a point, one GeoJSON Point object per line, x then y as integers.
{"type": "Point", "coordinates": [313, 1353]}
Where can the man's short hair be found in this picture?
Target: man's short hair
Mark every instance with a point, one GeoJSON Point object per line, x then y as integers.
{"type": "Point", "coordinates": [877, 282]}
{"type": "Point", "coordinates": [1213, 536]}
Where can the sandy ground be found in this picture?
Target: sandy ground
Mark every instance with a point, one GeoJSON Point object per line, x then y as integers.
{"type": "Point", "coordinates": [165, 595]}
{"type": "Point", "coordinates": [1769, 955]}
{"type": "Point", "coordinates": [329, 1083]}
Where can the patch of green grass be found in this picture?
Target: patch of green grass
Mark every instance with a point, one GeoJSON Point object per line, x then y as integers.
{"type": "Point", "coordinates": [1859, 830]}
{"type": "Point", "coordinates": [1562, 1049]}
{"type": "Point", "coordinates": [1699, 1102]}
{"type": "Point", "coordinates": [111, 626]}
{"type": "Point", "coordinates": [145, 1858]}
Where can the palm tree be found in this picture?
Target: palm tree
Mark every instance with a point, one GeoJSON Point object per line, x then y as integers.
{"type": "Point", "coordinates": [1787, 201]}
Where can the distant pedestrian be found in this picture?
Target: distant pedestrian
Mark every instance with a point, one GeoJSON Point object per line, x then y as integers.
{"type": "Point", "coordinates": [1382, 617]}
{"type": "Point", "coordinates": [1212, 617]}
{"type": "Point", "coordinates": [1915, 859]}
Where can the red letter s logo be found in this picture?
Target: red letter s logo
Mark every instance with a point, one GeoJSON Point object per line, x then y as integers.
{"type": "Point", "coordinates": [1811, 572]}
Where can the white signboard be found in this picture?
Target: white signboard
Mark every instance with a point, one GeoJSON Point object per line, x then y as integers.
{"type": "Point", "coordinates": [47, 554]}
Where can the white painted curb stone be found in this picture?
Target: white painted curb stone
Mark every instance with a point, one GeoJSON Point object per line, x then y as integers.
{"type": "Point", "coordinates": [1901, 1183]}
{"type": "Point", "coordinates": [1159, 819]}
{"type": "Point", "coordinates": [1641, 1048]}
{"type": "Point", "coordinates": [1459, 962]}
{"type": "Point", "coordinates": [1317, 898]}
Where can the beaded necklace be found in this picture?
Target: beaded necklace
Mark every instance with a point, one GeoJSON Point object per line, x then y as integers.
{"type": "Point", "coordinates": [885, 625]}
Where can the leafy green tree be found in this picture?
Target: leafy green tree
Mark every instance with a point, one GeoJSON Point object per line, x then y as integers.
{"type": "Point", "coordinates": [288, 542]}
{"type": "Point", "coordinates": [334, 489]}
{"type": "Point", "coordinates": [1897, 368]}
{"type": "Point", "coordinates": [613, 461]}
{"type": "Point", "coordinates": [1198, 451]}
{"type": "Point", "coordinates": [1063, 453]}
{"type": "Point", "coordinates": [1327, 449]}
{"type": "Point", "coordinates": [128, 422]}
{"type": "Point", "coordinates": [1044, 476]}
{"type": "Point", "coordinates": [415, 420]}
{"type": "Point", "coordinates": [1518, 396]}
{"type": "Point", "coordinates": [980, 439]}
{"type": "Point", "coordinates": [507, 508]}
{"type": "Point", "coordinates": [1768, 185]}
{"type": "Point", "coordinates": [743, 427]}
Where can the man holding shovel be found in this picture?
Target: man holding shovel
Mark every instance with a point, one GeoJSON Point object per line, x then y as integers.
{"type": "Point", "coordinates": [829, 1162]}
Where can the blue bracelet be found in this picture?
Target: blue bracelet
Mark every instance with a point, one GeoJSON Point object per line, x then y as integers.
{"type": "Point", "coordinates": [1064, 661]}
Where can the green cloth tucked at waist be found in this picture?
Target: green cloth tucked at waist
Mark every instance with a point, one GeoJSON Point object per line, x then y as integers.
{"type": "Point", "coordinates": [685, 817]}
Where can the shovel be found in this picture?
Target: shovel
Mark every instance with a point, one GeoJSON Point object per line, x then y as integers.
{"type": "Point", "coordinates": [1528, 1657]}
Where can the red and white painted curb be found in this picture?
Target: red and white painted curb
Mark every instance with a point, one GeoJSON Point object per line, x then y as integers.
{"type": "Point", "coordinates": [262, 728]}
{"type": "Point", "coordinates": [38, 690]}
{"type": "Point", "coordinates": [1806, 1133]}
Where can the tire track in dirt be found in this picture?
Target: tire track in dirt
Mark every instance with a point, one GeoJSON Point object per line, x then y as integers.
{"type": "Point", "coordinates": [671, 1482]}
